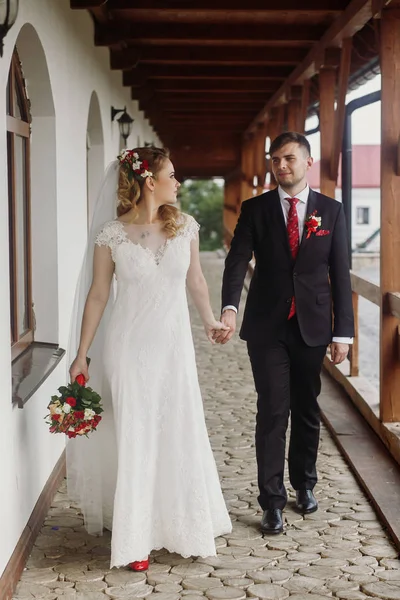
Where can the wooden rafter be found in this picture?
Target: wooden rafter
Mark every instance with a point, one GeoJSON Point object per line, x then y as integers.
{"type": "Point", "coordinates": [229, 61]}
{"type": "Point", "coordinates": [203, 55]}
{"type": "Point", "coordinates": [319, 7]}
{"type": "Point", "coordinates": [353, 18]}
{"type": "Point", "coordinates": [195, 35]}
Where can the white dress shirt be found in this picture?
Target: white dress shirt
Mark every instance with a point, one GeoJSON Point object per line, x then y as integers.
{"type": "Point", "coordinates": [301, 213]}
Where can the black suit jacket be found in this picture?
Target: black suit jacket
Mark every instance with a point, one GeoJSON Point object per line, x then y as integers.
{"type": "Point", "coordinates": [318, 278]}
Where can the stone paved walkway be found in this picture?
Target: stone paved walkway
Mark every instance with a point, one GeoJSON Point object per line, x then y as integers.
{"type": "Point", "coordinates": [341, 551]}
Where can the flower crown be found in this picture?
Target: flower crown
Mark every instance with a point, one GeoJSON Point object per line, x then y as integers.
{"type": "Point", "coordinates": [129, 159]}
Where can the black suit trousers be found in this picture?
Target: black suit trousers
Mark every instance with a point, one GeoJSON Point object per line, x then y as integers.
{"type": "Point", "coordinates": [287, 378]}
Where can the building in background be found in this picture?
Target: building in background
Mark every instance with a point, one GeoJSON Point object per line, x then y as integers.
{"type": "Point", "coordinates": [366, 204]}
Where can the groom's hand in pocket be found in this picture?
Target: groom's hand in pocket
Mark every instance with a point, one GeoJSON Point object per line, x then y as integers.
{"type": "Point", "coordinates": [228, 318]}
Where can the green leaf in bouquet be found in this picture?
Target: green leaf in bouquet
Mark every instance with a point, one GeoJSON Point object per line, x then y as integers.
{"type": "Point", "coordinates": [75, 388]}
{"type": "Point", "coordinates": [63, 390]}
{"type": "Point", "coordinates": [86, 394]}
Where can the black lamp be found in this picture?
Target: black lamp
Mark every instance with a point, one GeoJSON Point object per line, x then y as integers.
{"type": "Point", "coordinates": [8, 16]}
{"type": "Point", "coordinates": [124, 122]}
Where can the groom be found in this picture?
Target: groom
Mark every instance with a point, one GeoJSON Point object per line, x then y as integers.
{"type": "Point", "coordinates": [299, 302]}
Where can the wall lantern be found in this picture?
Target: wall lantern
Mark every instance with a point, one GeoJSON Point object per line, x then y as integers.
{"type": "Point", "coordinates": [124, 122]}
{"type": "Point", "coordinates": [8, 16]}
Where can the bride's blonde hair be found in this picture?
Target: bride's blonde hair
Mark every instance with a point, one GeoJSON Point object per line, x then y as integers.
{"type": "Point", "coordinates": [130, 186]}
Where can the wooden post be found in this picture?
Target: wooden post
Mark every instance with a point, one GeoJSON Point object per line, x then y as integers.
{"type": "Point", "coordinates": [247, 153]}
{"type": "Point", "coordinates": [327, 85]}
{"type": "Point", "coordinates": [294, 109]}
{"type": "Point", "coordinates": [275, 129]}
{"type": "Point", "coordinates": [305, 100]}
{"type": "Point", "coordinates": [354, 348]}
{"type": "Point", "coordinates": [260, 163]}
{"type": "Point", "coordinates": [340, 113]}
{"type": "Point", "coordinates": [390, 214]}
{"type": "Point", "coordinates": [232, 190]}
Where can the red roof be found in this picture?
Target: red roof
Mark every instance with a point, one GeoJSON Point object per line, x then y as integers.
{"type": "Point", "coordinates": [366, 168]}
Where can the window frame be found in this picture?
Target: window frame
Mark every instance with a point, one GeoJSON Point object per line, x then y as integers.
{"type": "Point", "coordinates": [19, 126]}
{"type": "Point", "coordinates": [363, 211]}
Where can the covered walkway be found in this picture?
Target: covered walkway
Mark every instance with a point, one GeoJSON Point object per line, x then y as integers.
{"type": "Point", "coordinates": [341, 551]}
{"type": "Point", "coordinates": [215, 81]}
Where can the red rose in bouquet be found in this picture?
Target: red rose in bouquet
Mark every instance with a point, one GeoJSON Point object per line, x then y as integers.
{"type": "Point", "coordinates": [76, 411]}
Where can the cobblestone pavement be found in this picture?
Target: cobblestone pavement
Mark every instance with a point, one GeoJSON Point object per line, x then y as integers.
{"type": "Point", "coordinates": [341, 551]}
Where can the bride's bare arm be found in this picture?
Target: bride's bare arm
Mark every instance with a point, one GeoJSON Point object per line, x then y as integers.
{"type": "Point", "coordinates": [198, 290]}
{"type": "Point", "coordinates": [96, 301]}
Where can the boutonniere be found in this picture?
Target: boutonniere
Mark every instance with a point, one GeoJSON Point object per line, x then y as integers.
{"type": "Point", "coordinates": [312, 224]}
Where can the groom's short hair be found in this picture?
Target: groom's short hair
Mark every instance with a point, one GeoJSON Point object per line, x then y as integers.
{"type": "Point", "coordinates": [290, 137]}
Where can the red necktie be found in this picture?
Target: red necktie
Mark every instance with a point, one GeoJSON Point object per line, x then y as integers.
{"type": "Point", "coordinates": [294, 238]}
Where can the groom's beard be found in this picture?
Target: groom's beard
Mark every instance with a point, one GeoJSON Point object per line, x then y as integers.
{"type": "Point", "coordinates": [290, 181]}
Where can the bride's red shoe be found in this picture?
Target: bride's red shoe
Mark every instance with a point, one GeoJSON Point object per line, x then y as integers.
{"type": "Point", "coordinates": [139, 565]}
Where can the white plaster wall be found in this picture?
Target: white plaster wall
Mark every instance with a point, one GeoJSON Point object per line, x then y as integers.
{"type": "Point", "coordinates": [76, 68]}
{"type": "Point", "coordinates": [365, 197]}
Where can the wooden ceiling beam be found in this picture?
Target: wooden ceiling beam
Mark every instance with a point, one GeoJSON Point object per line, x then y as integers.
{"type": "Point", "coordinates": [181, 6]}
{"type": "Point", "coordinates": [353, 18]}
{"type": "Point", "coordinates": [140, 75]}
{"type": "Point", "coordinates": [201, 99]}
{"type": "Point", "coordinates": [189, 87]}
{"type": "Point", "coordinates": [193, 35]}
{"type": "Point", "coordinates": [244, 16]}
{"type": "Point", "coordinates": [163, 55]}
{"type": "Point", "coordinates": [145, 94]}
{"type": "Point", "coordinates": [210, 110]}
{"type": "Point", "coordinates": [86, 4]}
{"type": "Point", "coordinates": [190, 129]}
{"type": "Point", "coordinates": [201, 108]}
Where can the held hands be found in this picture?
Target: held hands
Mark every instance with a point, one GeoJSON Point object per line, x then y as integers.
{"type": "Point", "coordinates": [228, 318]}
{"type": "Point", "coordinates": [213, 329]}
{"type": "Point", "coordinates": [79, 366]}
{"type": "Point", "coordinates": [339, 352]}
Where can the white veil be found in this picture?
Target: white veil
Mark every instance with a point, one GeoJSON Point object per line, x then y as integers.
{"type": "Point", "coordinates": [92, 461]}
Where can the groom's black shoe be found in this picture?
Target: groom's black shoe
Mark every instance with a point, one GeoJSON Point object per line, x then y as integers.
{"type": "Point", "coordinates": [306, 502]}
{"type": "Point", "coordinates": [271, 521]}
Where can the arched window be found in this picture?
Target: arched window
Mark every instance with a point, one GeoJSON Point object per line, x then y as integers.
{"type": "Point", "coordinates": [18, 158]}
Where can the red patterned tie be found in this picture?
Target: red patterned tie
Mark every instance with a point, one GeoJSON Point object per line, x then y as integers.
{"type": "Point", "coordinates": [294, 239]}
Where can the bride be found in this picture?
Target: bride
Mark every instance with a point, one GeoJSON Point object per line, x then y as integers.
{"type": "Point", "coordinates": [148, 473]}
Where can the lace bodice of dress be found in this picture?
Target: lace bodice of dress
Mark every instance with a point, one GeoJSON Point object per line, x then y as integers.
{"type": "Point", "coordinates": [149, 238]}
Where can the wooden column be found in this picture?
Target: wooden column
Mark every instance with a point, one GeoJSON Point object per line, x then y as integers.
{"type": "Point", "coordinates": [260, 162]}
{"type": "Point", "coordinates": [247, 160]}
{"type": "Point", "coordinates": [294, 109]}
{"type": "Point", "coordinates": [327, 85]}
{"type": "Point", "coordinates": [390, 213]}
{"type": "Point", "coordinates": [331, 120]}
{"type": "Point", "coordinates": [340, 113]}
{"type": "Point", "coordinates": [232, 190]}
{"type": "Point", "coordinates": [305, 101]}
{"type": "Point", "coordinates": [275, 128]}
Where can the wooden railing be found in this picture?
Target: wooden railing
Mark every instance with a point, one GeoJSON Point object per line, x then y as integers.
{"type": "Point", "coordinates": [370, 291]}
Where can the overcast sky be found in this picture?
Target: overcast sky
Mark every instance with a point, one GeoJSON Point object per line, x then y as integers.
{"type": "Point", "coordinates": [366, 121]}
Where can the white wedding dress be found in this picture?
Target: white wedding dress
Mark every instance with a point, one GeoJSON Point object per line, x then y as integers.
{"type": "Point", "coordinates": [167, 493]}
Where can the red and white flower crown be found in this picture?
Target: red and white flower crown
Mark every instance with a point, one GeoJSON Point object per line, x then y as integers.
{"type": "Point", "coordinates": [131, 161]}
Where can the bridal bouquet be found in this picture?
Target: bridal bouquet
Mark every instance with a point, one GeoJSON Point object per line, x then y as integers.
{"type": "Point", "coordinates": [76, 411]}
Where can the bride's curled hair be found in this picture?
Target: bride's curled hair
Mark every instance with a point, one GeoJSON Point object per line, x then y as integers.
{"type": "Point", "coordinates": [130, 186]}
